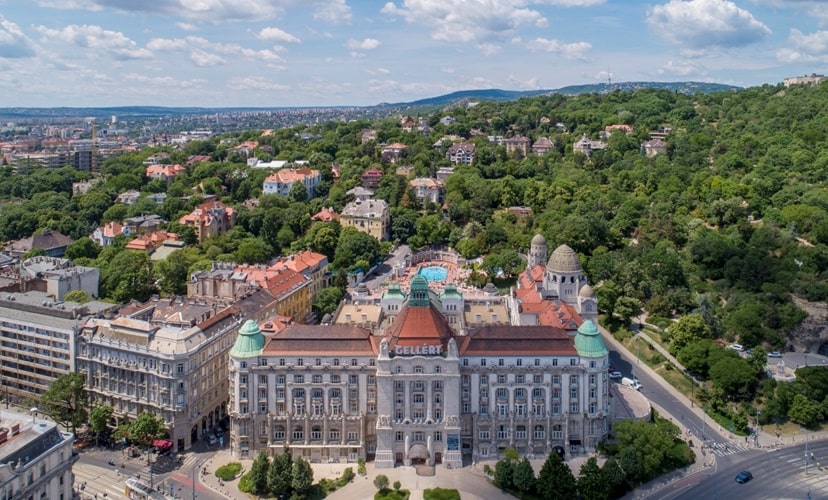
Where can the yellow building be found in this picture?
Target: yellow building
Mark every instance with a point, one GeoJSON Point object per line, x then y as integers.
{"type": "Point", "coordinates": [368, 216]}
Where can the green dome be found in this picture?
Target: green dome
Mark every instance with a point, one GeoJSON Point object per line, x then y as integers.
{"type": "Point", "coordinates": [393, 292]}
{"type": "Point", "coordinates": [450, 292]}
{"type": "Point", "coordinates": [588, 341]}
{"type": "Point", "coordinates": [250, 341]}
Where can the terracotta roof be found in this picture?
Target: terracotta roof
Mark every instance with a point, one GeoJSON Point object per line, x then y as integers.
{"type": "Point", "coordinates": [334, 340]}
{"type": "Point", "coordinates": [111, 229]}
{"type": "Point", "coordinates": [291, 175]}
{"type": "Point", "coordinates": [327, 214]}
{"type": "Point", "coordinates": [517, 340]}
{"type": "Point", "coordinates": [415, 326]}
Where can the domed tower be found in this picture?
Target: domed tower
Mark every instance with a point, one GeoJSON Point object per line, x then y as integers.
{"type": "Point", "coordinates": [537, 251]}
{"type": "Point", "coordinates": [588, 304]}
{"type": "Point", "coordinates": [564, 275]}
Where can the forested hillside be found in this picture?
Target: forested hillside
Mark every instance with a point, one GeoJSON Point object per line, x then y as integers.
{"type": "Point", "coordinates": [728, 223]}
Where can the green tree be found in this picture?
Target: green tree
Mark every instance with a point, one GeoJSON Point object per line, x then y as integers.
{"type": "Point", "coordinates": [626, 308]}
{"type": "Point", "coordinates": [523, 476]}
{"type": "Point", "coordinates": [280, 475]}
{"type": "Point", "coordinates": [128, 276]}
{"type": "Point", "coordinates": [302, 476]}
{"type": "Point", "coordinates": [99, 419]}
{"type": "Point", "coordinates": [298, 192]}
{"type": "Point", "coordinates": [555, 480]}
{"type": "Point", "coordinates": [174, 272]}
{"type": "Point", "coordinates": [381, 482]}
{"type": "Point", "coordinates": [592, 484]}
{"type": "Point", "coordinates": [66, 400]}
{"type": "Point", "coordinates": [83, 247]}
{"type": "Point", "coordinates": [504, 474]}
{"type": "Point", "coordinates": [805, 412]}
{"type": "Point", "coordinates": [355, 246]}
{"type": "Point", "coordinates": [326, 301]}
{"type": "Point", "coordinates": [79, 296]}
{"type": "Point", "coordinates": [253, 251]}
{"type": "Point", "coordinates": [688, 329]}
{"type": "Point", "coordinates": [258, 473]}
{"type": "Point", "coordinates": [615, 478]}
{"type": "Point", "coordinates": [735, 376]}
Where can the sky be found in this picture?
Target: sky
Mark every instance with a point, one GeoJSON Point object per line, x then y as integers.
{"type": "Point", "coordinates": [277, 53]}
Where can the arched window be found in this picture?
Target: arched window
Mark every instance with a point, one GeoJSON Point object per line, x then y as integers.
{"type": "Point", "coordinates": [279, 433]}
{"type": "Point", "coordinates": [316, 433]}
{"type": "Point", "coordinates": [298, 433]}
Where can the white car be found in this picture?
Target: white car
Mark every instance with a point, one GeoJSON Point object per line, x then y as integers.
{"type": "Point", "coordinates": [736, 347]}
{"type": "Point", "coordinates": [616, 375]}
{"type": "Point", "coordinates": [211, 439]}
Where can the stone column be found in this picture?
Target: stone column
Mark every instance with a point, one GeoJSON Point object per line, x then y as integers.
{"type": "Point", "coordinates": [429, 402]}
{"type": "Point", "coordinates": [407, 414]}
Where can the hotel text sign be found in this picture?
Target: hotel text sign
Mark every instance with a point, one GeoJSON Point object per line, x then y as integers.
{"type": "Point", "coordinates": [418, 350]}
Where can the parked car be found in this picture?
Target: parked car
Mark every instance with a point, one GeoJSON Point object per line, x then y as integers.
{"type": "Point", "coordinates": [616, 375]}
{"type": "Point", "coordinates": [736, 347]}
{"type": "Point", "coordinates": [211, 439]}
{"type": "Point", "coordinates": [743, 477]}
{"type": "Point", "coordinates": [774, 354]}
{"type": "Point", "coordinates": [631, 382]}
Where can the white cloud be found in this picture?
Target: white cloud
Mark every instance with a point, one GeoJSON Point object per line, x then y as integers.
{"type": "Point", "coordinates": [97, 39]}
{"type": "Point", "coordinates": [187, 26]}
{"type": "Point", "coordinates": [810, 8]}
{"type": "Point", "coordinates": [204, 59]}
{"type": "Point", "coordinates": [383, 71]}
{"type": "Point", "coordinates": [167, 44]}
{"type": "Point", "coordinates": [805, 48]}
{"type": "Point", "coordinates": [681, 68]}
{"type": "Point", "coordinates": [333, 11]}
{"type": "Point", "coordinates": [489, 49]}
{"type": "Point", "coordinates": [467, 20]}
{"type": "Point", "coordinates": [575, 50]}
{"type": "Point", "coordinates": [255, 83]}
{"type": "Point", "coordinates": [214, 11]}
{"type": "Point", "coordinates": [275, 34]}
{"type": "Point", "coordinates": [365, 44]}
{"type": "Point", "coordinates": [13, 42]}
{"type": "Point", "coordinates": [703, 24]}
{"type": "Point", "coordinates": [164, 81]}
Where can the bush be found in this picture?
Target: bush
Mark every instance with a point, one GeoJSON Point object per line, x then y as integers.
{"type": "Point", "coordinates": [246, 484]}
{"type": "Point", "coordinates": [361, 467]}
{"type": "Point", "coordinates": [441, 494]}
{"type": "Point", "coordinates": [397, 485]}
{"type": "Point", "coordinates": [392, 495]}
{"type": "Point", "coordinates": [347, 476]}
{"type": "Point", "coordinates": [228, 472]}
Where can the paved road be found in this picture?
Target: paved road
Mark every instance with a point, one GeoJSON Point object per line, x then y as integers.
{"type": "Point", "coordinates": [384, 270]}
{"type": "Point", "coordinates": [98, 477]}
{"type": "Point", "coordinates": [668, 398]}
{"type": "Point", "coordinates": [776, 474]}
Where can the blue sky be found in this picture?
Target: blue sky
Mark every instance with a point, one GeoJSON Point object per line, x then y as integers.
{"type": "Point", "coordinates": [346, 52]}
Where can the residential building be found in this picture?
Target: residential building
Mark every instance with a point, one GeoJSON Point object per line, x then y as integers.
{"type": "Point", "coordinates": [518, 146]}
{"type": "Point", "coordinates": [52, 243]}
{"type": "Point", "coordinates": [105, 235]}
{"type": "Point", "coordinates": [142, 224]}
{"type": "Point", "coordinates": [653, 147]}
{"type": "Point", "coordinates": [166, 356]}
{"type": "Point", "coordinates": [210, 219]}
{"type": "Point", "coordinates": [326, 214]}
{"type": "Point", "coordinates": [311, 265]}
{"type": "Point", "coordinates": [36, 458]}
{"type": "Point", "coordinates": [416, 390]}
{"type": "Point", "coordinates": [586, 146]}
{"type": "Point", "coordinates": [165, 172]}
{"type": "Point", "coordinates": [542, 146]}
{"type": "Point", "coordinates": [360, 193]}
{"type": "Point", "coordinates": [427, 189]}
{"type": "Point", "coordinates": [371, 178]}
{"type": "Point", "coordinates": [36, 319]}
{"type": "Point", "coordinates": [369, 216]}
{"type": "Point", "coordinates": [292, 291]}
{"type": "Point", "coordinates": [368, 135]}
{"type": "Point", "coordinates": [150, 241]}
{"type": "Point", "coordinates": [280, 182]}
{"type": "Point", "coordinates": [129, 197]}
{"type": "Point", "coordinates": [56, 277]}
{"type": "Point", "coordinates": [609, 129]}
{"type": "Point", "coordinates": [812, 79]}
{"type": "Point", "coordinates": [461, 153]}
{"type": "Point", "coordinates": [394, 152]}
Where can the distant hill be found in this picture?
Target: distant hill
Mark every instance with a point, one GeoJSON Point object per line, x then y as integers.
{"type": "Point", "coordinates": [431, 102]}
{"type": "Point", "coordinates": [595, 88]}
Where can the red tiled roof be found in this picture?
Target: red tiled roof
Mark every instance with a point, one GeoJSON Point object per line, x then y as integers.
{"type": "Point", "coordinates": [415, 326]}
{"type": "Point", "coordinates": [517, 340]}
{"type": "Point", "coordinates": [334, 340]}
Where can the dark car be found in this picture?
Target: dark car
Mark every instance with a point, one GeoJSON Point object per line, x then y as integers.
{"type": "Point", "coordinates": [743, 477]}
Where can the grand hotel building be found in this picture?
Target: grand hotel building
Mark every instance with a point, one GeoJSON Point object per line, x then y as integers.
{"type": "Point", "coordinates": [427, 377]}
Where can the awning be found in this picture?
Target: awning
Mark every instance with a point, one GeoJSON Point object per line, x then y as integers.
{"type": "Point", "coordinates": [162, 444]}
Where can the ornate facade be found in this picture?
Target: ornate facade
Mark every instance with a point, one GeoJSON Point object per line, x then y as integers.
{"type": "Point", "coordinates": [424, 382]}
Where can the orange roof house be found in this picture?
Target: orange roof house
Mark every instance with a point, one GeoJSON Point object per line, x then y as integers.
{"type": "Point", "coordinates": [166, 172]}
{"type": "Point", "coordinates": [210, 219]}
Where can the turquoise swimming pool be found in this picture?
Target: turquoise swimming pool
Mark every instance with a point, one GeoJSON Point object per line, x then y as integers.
{"type": "Point", "coordinates": [433, 273]}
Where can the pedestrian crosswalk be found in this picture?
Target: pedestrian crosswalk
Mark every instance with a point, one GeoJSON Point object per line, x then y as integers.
{"type": "Point", "coordinates": [724, 449]}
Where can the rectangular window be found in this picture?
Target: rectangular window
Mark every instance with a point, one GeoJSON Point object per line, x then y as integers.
{"type": "Point", "coordinates": [317, 362]}
{"type": "Point", "coordinates": [334, 435]}
{"type": "Point", "coordinates": [353, 436]}
{"type": "Point", "coordinates": [520, 362]}
{"type": "Point", "coordinates": [537, 379]}
{"type": "Point", "coordinates": [280, 380]}
{"type": "Point", "coordinates": [573, 407]}
{"type": "Point", "coordinates": [484, 435]}
{"type": "Point", "coordinates": [465, 361]}
{"type": "Point", "coordinates": [438, 436]}
{"type": "Point", "coordinates": [520, 433]}
{"type": "Point", "coordinates": [298, 379]}
{"type": "Point", "coordinates": [501, 379]}
{"type": "Point", "coordinates": [335, 379]}
{"type": "Point", "coordinates": [399, 436]}
{"type": "Point", "coordinates": [300, 362]}
{"type": "Point", "coordinates": [317, 379]}
{"type": "Point", "coordinates": [573, 361]}
{"type": "Point", "coordinates": [520, 379]}
{"type": "Point", "coordinates": [500, 362]}
{"type": "Point", "coordinates": [482, 362]}
{"type": "Point", "coordinates": [281, 361]}
{"type": "Point", "coordinates": [555, 362]}
{"type": "Point", "coordinates": [537, 361]}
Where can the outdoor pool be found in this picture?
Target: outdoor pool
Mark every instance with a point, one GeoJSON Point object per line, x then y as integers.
{"type": "Point", "coordinates": [433, 273]}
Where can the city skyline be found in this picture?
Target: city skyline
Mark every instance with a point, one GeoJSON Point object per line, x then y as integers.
{"type": "Point", "coordinates": [275, 53]}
